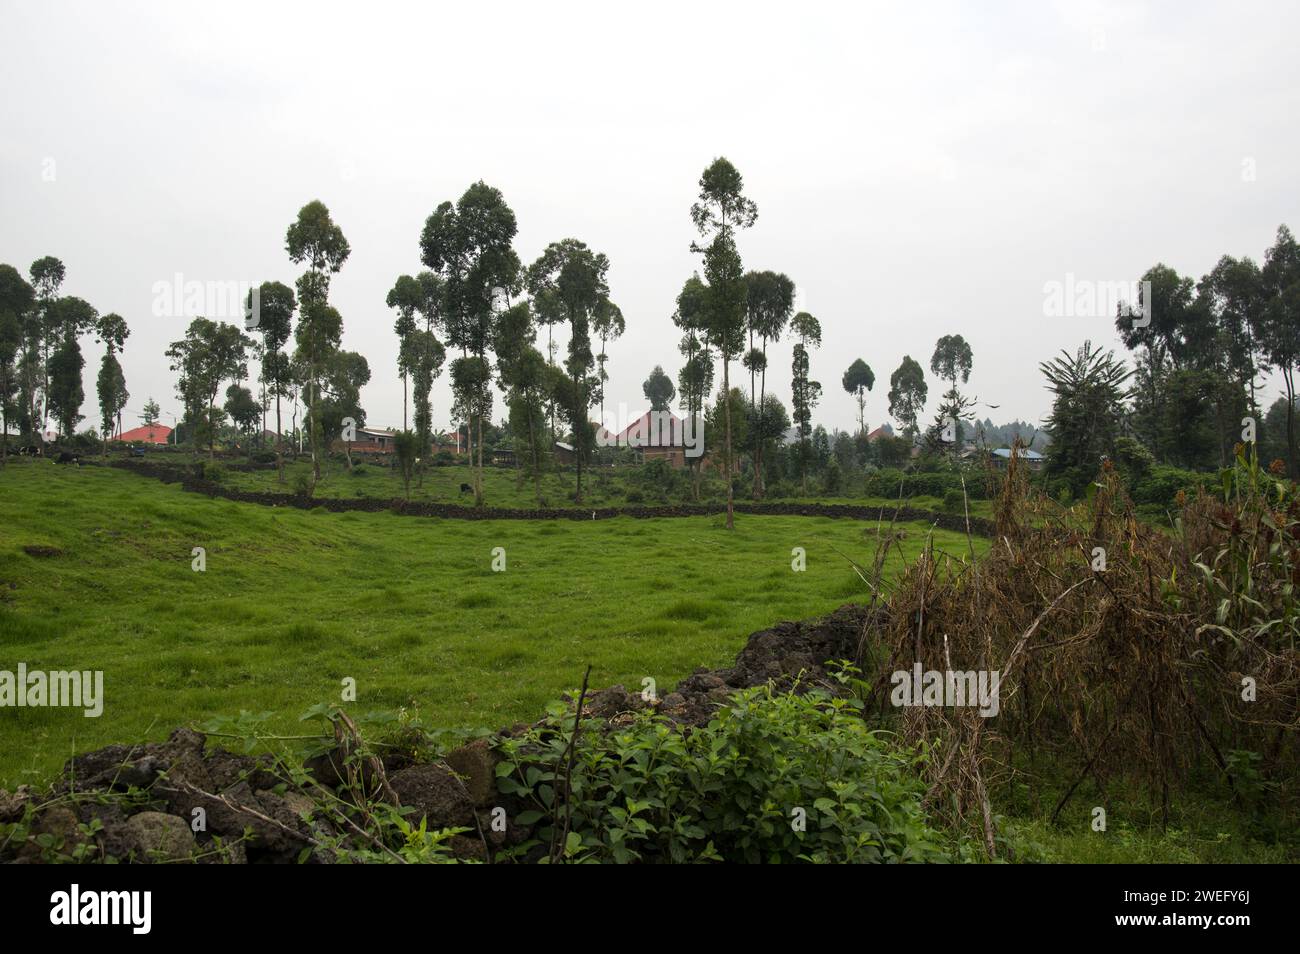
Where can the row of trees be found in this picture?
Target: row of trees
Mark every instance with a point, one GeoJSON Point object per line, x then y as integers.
{"type": "Point", "coordinates": [1200, 350]}
{"type": "Point", "coordinates": [476, 297]}
{"type": "Point", "coordinates": [41, 362]}
{"type": "Point", "coordinates": [733, 314]}
{"type": "Point", "coordinates": [1196, 374]}
{"type": "Point", "coordinates": [327, 379]}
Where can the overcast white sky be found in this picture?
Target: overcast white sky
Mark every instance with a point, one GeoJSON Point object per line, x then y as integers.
{"type": "Point", "coordinates": [920, 169]}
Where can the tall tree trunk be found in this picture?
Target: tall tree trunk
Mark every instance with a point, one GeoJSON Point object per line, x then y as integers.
{"type": "Point", "coordinates": [578, 431]}
{"type": "Point", "coordinates": [279, 438]}
{"type": "Point", "coordinates": [726, 407]}
{"type": "Point", "coordinates": [602, 381]}
{"type": "Point", "coordinates": [760, 488]}
{"type": "Point", "coordinates": [1287, 374]}
{"type": "Point", "coordinates": [537, 463]}
{"type": "Point", "coordinates": [313, 410]}
{"type": "Point", "coordinates": [479, 448]}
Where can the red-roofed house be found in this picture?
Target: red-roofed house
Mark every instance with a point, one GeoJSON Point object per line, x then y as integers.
{"type": "Point", "coordinates": [655, 434]}
{"type": "Point", "coordinates": [148, 434]}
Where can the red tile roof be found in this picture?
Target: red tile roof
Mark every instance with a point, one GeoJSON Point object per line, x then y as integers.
{"type": "Point", "coordinates": [664, 431]}
{"type": "Point", "coordinates": [149, 434]}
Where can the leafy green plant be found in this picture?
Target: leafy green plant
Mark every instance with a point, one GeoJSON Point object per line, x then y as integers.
{"type": "Point", "coordinates": [774, 777]}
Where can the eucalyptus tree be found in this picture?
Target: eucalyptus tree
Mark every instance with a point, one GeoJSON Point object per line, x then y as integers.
{"type": "Point", "coordinates": [468, 246]}
{"type": "Point", "coordinates": [317, 339]}
{"type": "Point", "coordinates": [244, 411]}
{"type": "Point", "coordinates": [66, 394]}
{"type": "Point", "coordinates": [428, 356]}
{"type": "Point", "coordinates": [522, 375]}
{"type": "Point", "coordinates": [420, 355]}
{"type": "Point", "coordinates": [952, 361]}
{"type": "Point", "coordinates": [659, 390]}
{"type": "Point", "coordinates": [209, 354]}
{"type": "Point", "coordinates": [1281, 324]}
{"type": "Point", "coordinates": [608, 325]}
{"type": "Point", "coordinates": [405, 296]}
{"type": "Point", "coordinates": [569, 280]}
{"type": "Point", "coordinates": [47, 274]}
{"type": "Point", "coordinates": [16, 300]}
{"type": "Point", "coordinates": [1158, 332]}
{"type": "Point", "coordinates": [721, 209]}
{"type": "Point", "coordinates": [550, 318]}
{"type": "Point", "coordinates": [1234, 289]}
{"type": "Point", "coordinates": [858, 380]}
{"type": "Point", "coordinates": [907, 394]}
{"type": "Point", "coordinates": [346, 373]}
{"type": "Point", "coordinates": [276, 304]}
{"type": "Point", "coordinates": [112, 332]}
{"type": "Point", "coordinates": [806, 394]}
{"type": "Point", "coordinates": [768, 424]}
{"type": "Point", "coordinates": [406, 450]}
{"type": "Point", "coordinates": [315, 240]}
{"type": "Point", "coordinates": [769, 300]}
{"type": "Point", "coordinates": [67, 319]}
{"type": "Point", "coordinates": [695, 379]}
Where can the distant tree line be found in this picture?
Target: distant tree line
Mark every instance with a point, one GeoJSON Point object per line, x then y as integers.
{"type": "Point", "coordinates": [1192, 394]}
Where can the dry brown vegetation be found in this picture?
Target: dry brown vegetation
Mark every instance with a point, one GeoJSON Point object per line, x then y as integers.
{"type": "Point", "coordinates": [1136, 671]}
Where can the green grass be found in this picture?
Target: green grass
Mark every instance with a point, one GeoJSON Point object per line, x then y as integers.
{"type": "Point", "coordinates": [1206, 824]}
{"type": "Point", "coordinates": [294, 601]}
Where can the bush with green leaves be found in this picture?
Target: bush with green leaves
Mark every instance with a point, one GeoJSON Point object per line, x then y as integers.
{"type": "Point", "coordinates": [833, 480]}
{"type": "Point", "coordinates": [889, 482]}
{"type": "Point", "coordinates": [774, 777]}
{"type": "Point", "coordinates": [1161, 485]}
{"type": "Point", "coordinates": [209, 470]}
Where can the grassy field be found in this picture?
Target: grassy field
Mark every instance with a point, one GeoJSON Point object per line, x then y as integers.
{"type": "Point", "coordinates": [504, 487]}
{"type": "Point", "coordinates": [293, 601]}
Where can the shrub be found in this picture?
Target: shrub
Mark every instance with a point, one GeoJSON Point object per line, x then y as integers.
{"type": "Point", "coordinates": [657, 473]}
{"type": "Point", "coordinates": [780, 490]}
{"type": "Point", "coordinates": [210, 470]}
{"type": "Point", "coordinates": [954, 502]}
{"type": "Point", "coordinates": [933, 483]}
{"type": "Point", "coordinates": [1133, 459]}
{"type": "Point", "coordinates": [834, 479]}
{"type": "Point", "coordinates": [1163, 483]}
{"type": "Point", "coordinates": [736, 789]}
